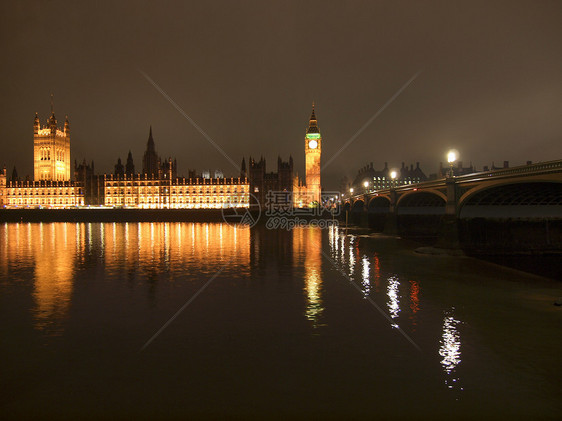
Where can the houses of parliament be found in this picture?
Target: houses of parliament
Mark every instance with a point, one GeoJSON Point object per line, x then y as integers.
{"type": "Point", "coordinates": [157, 186]}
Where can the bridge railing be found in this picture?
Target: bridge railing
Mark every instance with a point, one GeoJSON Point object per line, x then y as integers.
{"type": "Point", "coordinates": [538, 168]}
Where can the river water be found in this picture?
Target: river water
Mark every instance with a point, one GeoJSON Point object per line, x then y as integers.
{"type": "Point", "coordinates": [197, 320]}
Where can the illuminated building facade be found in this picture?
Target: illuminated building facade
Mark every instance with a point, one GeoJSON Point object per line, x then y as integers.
{"type": "Point", "coordinates": [51, 150]}
{"type": "Point", "coordinates": [51, 187]}
{"type": "Point", "coordinates": [2, 185]}
{"type": "Point", "coordinates": [145, 192]}
{"type": "Point", "coordinates": [46, 193]}
{"type": "Point", "coordinates": [159, 187]}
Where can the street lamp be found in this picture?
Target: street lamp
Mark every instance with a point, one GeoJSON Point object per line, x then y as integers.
{"type": "Point", "coordinates": [351, 190]}
{"type": "Point", "coordinates": [393, 175]}
{"type": "Point", "coordinates": [366, 184]}
{"type": "Point", "coordinates": [451, 158]}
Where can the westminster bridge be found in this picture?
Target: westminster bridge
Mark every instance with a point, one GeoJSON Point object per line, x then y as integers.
{"type": "Point", "coordinates": [513, 209]}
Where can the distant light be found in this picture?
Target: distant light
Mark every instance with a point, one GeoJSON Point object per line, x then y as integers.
{"type": "Point", "coordinates": [351, 190]}
{"type": "Point", "coordinates": [366, 184]}
{"type": "Point", "coordinates": [393, 174]}
{"type": "Point", "coordinates": [451, 156]}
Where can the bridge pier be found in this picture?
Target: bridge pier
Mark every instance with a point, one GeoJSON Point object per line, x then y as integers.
{"type": "Point", "coordinates": [364, 216]}
{"type": "Point", "coordinates": [449, 231]}
{"type": "Point", "coordinates": [391, 224]}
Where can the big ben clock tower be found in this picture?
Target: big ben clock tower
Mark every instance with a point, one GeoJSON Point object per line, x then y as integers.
{"type": "Point", "coordinates": [312, 152]}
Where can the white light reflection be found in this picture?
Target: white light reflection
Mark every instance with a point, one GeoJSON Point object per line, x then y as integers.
{"type": "Point", "coordinates": [337, 239]}
{"type": "Point", "coordinates": [450, 350]}
{"type": "Point", "coordinates": [192, 238]}
{"type": "Point", "coordinates": [89, 236]}
{"type": "Point", "coordinates": [351, 258]}
{"type": "Point", "coordinates": [393, 298]}
{"type": "Point", "coordinates": [331, 239]}
{"type": "Point", "coordinates": [366, 283]}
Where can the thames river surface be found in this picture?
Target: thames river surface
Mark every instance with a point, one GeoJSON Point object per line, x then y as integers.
{"type": "Point", "coordinates": [202, 320]}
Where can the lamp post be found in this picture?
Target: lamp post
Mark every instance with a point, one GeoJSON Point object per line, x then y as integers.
{"type": "Point", "coordinates": [449, 237]}
{"type": "Point", "coordinates": [366, 184]}
{"type": "Point", "coordinates": [393, 175]}
{"type": "Point", "coordinates": [391, 224]}
{"type": "Point", "coordinates": [351, 191]}
{"type": "Point", "coordinates": [451, 158]}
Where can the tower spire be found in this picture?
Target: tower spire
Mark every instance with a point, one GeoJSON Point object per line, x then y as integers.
{"type": "Point", "coordinates": [52, 104]}
{"type": "Point", "coordinates": [313, 123]}
{"type": "Point", "coordinates": [150, 144]}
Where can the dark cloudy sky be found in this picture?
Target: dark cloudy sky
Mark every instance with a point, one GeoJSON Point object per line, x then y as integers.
{"type": "Point", "coordinates": [490, 81]}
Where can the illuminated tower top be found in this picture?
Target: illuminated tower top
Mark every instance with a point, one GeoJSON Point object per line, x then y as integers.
{"type": "Point", "coordinates": [313, 123]}
{"type": "Point", "coordinates": [313, 137]}
{"type": "Point", "coordinates": [51, 149]}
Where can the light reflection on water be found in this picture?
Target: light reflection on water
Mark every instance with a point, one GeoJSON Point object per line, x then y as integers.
{"type": "Point", "coordinates": [377, 272]}
{"type": "Point", "coordinates": [450, 349]}
{"type": "Point", "coordinates": [55, 251]}
{"type": "Point", "coordinates": [351, 249]}
{"type": "Point", "coordinates": [393, 298]}
{"type": "Point", "coordinates": [372, 276]}
{"type": "Point", "coordinates": [51, 252]}
{"type": "Point", "coordinates": [414, 302]}
{"type": "Point", "coordinates": [279, 283]}
{"type": "Point", "coordinates": [307, 243]}
{"type": "Point", "coordinates": [365, 279]}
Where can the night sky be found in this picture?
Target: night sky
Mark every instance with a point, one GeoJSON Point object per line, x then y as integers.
{"type": "Point", "coordinates": [489, 80]}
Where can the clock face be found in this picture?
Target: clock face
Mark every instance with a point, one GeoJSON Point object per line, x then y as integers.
{"type": "Point", "coordinates": [313, 144]}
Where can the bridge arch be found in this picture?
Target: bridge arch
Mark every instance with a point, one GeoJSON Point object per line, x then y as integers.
{"type": "Point", "coordinates": [379, 204]}
{"type": "Point", "coordinates": [529, 199]}
{"type": "Point", "coordinates": [378, 210]}
{"type": "Point", "coordinates": [419, 214]}
{"type": "Point", "coordinates": [426, 202]}
{"type": "Point", "coordinates": [357, 205]}
{"type": "Point", "coordinates": [417, 192]}
{"type": "Point", "coordinates": [357, 211]}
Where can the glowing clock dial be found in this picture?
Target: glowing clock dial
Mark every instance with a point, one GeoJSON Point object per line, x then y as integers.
{"type": "Point", "coordinates": [313, 144]}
